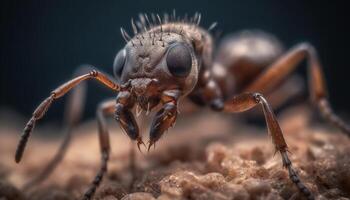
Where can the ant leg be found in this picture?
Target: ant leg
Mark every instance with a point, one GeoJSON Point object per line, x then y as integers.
{"type": "Point", "coordinates": [104, 109]}
{"type": "Point", "coordinates": [72, 114]}
{"type": "Point", "coordinates": [247, 101]}
{"type": "Point", "coordinates": [165, 117]}
{"type": "Point", "coordinates": [127, 122]}
{"type": "Point", "coordinates": [283, 67]}
{"type": "Point", "coordinates": [126, 119]}
{"type": "Point", "coordinates": [56, 94]}
{"type": "Point", "coordinates": [132, 165]}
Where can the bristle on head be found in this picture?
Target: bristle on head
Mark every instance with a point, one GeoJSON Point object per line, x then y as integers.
{"type": "Point", "coordinates": [145, 23]}
{"type": "Point", "coordinates": [212, 26]}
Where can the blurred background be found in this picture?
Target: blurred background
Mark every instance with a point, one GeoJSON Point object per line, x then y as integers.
{"type": "Point", "coordinates": [42, 42]}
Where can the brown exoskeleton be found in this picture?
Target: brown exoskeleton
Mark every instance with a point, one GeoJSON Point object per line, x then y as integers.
{"type": "Point", "coordinates": [173, 59]}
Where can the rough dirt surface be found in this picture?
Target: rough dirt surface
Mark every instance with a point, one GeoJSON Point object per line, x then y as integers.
{"type": "Point", "coordinates": [206, 156]}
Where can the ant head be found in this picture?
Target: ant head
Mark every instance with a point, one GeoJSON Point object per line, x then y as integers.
{"type": "Point", "coordinates": [156, 61]}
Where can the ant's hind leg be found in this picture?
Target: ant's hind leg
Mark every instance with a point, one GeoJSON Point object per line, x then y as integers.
{"type": "Point", "coordinates": [284, 66]}
{"type": "Point", "coordinates": [247, 101]}
{"type": "Point", "coordinates": [104, 109]}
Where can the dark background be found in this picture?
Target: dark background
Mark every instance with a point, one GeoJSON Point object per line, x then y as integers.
{"type": "Point", "coordinates": [42, 42]}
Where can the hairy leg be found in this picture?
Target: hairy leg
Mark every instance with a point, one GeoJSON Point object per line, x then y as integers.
{"type": "Point", "coordinates": [283, 67]}
{"type": "Point", "coordinates": [104, 109]}
{"type": "Point", "coordinates": [247, 101]}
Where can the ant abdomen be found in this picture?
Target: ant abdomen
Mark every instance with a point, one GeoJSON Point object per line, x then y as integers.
{"type": "Point", "coordinates": [244, 55]}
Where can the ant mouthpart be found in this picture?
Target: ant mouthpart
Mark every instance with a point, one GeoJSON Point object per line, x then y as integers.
{"type": "Point", "coordinates": [139, 142]}
{"type": "Point", "coordinates": [150, 144]}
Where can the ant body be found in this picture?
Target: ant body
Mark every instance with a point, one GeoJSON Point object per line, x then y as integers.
{"type": "Point", "coordinates": [168, 59]}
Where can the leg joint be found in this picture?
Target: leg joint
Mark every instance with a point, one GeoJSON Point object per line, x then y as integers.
{"type": "Point", "coordinates": [258, 97]}
{"type": "Point", "coordinates": [307, 47]}
{"type": "Point", "coordinates": [93, 73]}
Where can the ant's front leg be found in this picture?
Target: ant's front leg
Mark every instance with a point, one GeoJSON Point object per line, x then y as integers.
{"type": "Point", "coordinates": [125, 117]}
{"type": "Point", "coordinates": [54, 96]}
{"type": "Point", "coordinates": [165, 117]}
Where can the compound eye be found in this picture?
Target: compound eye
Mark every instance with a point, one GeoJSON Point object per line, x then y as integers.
{"type": "Point", "coordinates": [179, 60]}
{"type": "Point", "coordinates": [119, 63]}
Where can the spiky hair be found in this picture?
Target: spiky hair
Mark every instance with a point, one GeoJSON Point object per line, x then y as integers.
{"type": "Point", "coordinates": [145, 23]}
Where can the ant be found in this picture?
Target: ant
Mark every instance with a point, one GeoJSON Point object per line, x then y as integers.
{"type": "Point", "coordinates": [170, 58]}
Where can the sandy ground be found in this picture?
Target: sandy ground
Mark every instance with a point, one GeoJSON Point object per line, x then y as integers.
{"type": "Point", "coordinates": [206, 156]}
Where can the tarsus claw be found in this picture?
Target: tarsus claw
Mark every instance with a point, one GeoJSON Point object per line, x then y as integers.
{"type": "Point", "coordinates": [150, 143]}
{"type": "Point", "coordinates": [139, 142]}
